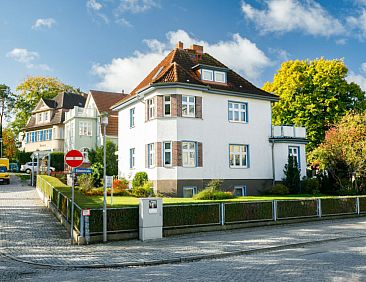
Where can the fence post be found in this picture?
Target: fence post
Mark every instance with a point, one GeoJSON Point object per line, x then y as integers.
{"type": "Point", "coordinates": [274, 210]}
{"type": "Point", "coordinates": [222, 213]}
{"type": "Point", "coordinates": [81, 224]}
{"type": "Point", "coordinates": [358, 205]}
{"type": "Point", "coordinates": [319, 206]}
{"type": "Point", "coordinates": [67, 209]}
{"type": "Point", "coordinates": [58, 201]}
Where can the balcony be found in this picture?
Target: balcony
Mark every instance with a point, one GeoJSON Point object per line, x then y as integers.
{"type": "Point", "coordinates": [288, 131]}
{"type": "Point", "coordinates": [80, 112]}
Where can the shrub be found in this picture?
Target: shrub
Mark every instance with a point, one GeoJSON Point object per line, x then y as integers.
{"type": "Point", "coordinates": [86, 182]}
{"type": "Point", "coordinates": [57, 161]}
{"type": "Point", "coordinates": [140, 179]}
{"type": "Point", "coordinates": [143, 191]}
{"type": "Point", "coordinates": [120, 185]}
{"type": "Point", "coordinates": [311, 186]}
{"type": "Point", "coordinates": [292, 175]}
{"type": "Point", "coordinates": [215, 185]}
{"type": "Point", "coordinates": [210, 194]}
{"type": "Point", "coordinates": [97, 174]}
{"type": "Point", "coordinates": [280, 189]}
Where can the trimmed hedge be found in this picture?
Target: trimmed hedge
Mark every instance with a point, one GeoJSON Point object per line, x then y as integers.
{"type": "Point", "coordinates": [247, 211]}
{"type": "Point", "coordinates": [338, 206]}
{"type": "Point", "coordinates": [117, 220]}
{"type": "Point", "coordinates": [189, 215]}
{"type": "Point", "coordinates": [288, 209]}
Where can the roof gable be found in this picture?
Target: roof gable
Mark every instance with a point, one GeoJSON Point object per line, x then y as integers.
{"type": "Point", "coordinates": [103, 100]}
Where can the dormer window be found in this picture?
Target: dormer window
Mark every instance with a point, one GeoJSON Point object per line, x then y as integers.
{"type": "Point", "coordinates": [213, 75]}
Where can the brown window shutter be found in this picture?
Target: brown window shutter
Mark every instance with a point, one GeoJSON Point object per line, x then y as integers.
{"type": "Point", "coordinates": [177, 153]}
{"type": "Point", "coordinates": [173, 101]}
{"type": "Point", "coordinates": [179, 105]}
{"type": "Point", "coordinates": [198, 107]}
{"type": "Point", "coordinates": [146, 111]}
{"type": "Point", "coordinates": [158, 155]}
{"type": "Point", "coordinates": [200, 155]}
{"type": "Point", "coordinates": [146, 155]}
{"type": "Point", "coordinates": [159, 106]}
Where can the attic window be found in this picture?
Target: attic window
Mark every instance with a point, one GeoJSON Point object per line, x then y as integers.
{"type": "Point", "coordinates": [158, 72]}
{"type": "Point", "coordinates": [211, 75]}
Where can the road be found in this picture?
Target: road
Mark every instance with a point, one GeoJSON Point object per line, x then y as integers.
{"type": "Point", "coordinates": [36, 237]}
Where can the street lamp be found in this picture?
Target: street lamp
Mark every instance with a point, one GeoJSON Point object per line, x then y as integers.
{"type": "Point", "coordinates": [104, 123]}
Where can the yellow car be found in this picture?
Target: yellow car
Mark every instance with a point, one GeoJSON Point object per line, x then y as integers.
{"type": "Point", "coordinates": [4, 168]}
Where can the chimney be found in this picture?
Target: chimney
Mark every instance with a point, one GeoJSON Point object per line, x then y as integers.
{"type": "Point", "coordinates": [123, 91]}
{"type": "Point", "coordinates": [197, 48]}
{"type": "Point", "coordinates": [179, 45]}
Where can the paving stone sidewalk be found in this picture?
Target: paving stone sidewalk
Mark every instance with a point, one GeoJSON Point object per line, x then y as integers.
{"type": "Point", "coordinates": [29, 232]}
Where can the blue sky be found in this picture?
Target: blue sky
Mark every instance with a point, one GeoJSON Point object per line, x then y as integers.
{"type": "Point", "coordinates": [113, 44]}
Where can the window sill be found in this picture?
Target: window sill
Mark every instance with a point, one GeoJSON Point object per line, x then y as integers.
{"type": "Point", "coordinates": [233, 121]}
{"type": "Point", "coordinates": [238, 167]}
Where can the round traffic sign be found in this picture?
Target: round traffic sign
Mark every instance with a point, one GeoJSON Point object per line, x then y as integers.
{"type": "Point", "coordinates": [74, 158]}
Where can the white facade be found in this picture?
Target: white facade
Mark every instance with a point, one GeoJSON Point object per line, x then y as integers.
{"type": "Point", "coordinates": [213, 130]}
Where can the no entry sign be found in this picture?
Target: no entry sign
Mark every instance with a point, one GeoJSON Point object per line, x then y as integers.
{"type": "Point", "coordinates": [74, 158]}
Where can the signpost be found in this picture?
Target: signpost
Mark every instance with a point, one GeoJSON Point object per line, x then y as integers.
{"type": "Point", "coordinates": [73, 159]}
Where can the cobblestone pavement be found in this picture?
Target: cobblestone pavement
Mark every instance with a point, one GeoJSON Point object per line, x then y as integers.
{"type": "Point", "coordinates": [29, 232]}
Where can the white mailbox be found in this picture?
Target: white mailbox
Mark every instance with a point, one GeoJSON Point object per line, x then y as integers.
{"type": "Point", "coordinates": [151, 219]}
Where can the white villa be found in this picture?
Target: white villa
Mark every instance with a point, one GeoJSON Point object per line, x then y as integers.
{"type": "Point", "coordinates": [192, 119]}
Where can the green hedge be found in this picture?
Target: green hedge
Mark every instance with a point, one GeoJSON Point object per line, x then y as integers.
{"type": "Point", "coordinates": [122, 219]}
{"type": "Point", "coordinates": [300, 208]}
{"type": "Point", "coordinates": [362, 204]}
{"type": "Point", "coordinates": [338, 206]}
{"type": "Point", "coordinates": [189, 215]}
{"type": "Point", "coordinates": [247, 211]}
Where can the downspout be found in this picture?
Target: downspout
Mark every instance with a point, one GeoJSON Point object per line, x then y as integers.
{"type": "Point", "coordinates": [273, 166]}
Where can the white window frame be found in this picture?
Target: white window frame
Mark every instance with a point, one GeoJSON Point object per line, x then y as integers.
{"type": "Point", "coordinates": [151, 155]}
{"type": "Point", "coordinates": [243, 151]}
{"type": "Point", "coordinates": [187, 153]}
{"type": "Point", "coordinates": [167, 103]}
{"type": "Point", "coordinates": [205, 72]}
{"type": "Point", "coordinates": [39, 117]}
{"type": "Point", "coordinates": [243, 188]}
{"type": "Point", "coordinates": [132, 117]}
{"type": "Point", "coordinates": [85, 128]}
{"type": "Point", "coordinates": [168, 151]}
{"type": "Point", "coordinates": [239, 111]}
{"type": "Point", "coordinates": [221, 73]}
{"type": "Point", "coordinates": [132, 158]}
{"type": "Point", "coordinates": [45, 116]}
{"type": "Point", "coordinates": [297, 155]}
{"type": "Point", "coordinates": [189, 105]}
{"type": "Point", "coordinates": [190, 188]}
{"type": "Point", "coordinates": [150, 109]}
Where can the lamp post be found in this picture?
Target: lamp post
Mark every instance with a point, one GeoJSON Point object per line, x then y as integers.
{"type": "Point", "coordinates": [104, 123]}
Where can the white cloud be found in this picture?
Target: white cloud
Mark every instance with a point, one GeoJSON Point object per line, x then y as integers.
{"type": "Point", "coordinates": [47, 23]}
{"type": "Point", "coordinates": [238, 53]}
{"type": "Point", "coordinates": [341, 41]}
{"type": "Point", "coordinates": [357, 78]}
{"type": "Point", "coordinates": [123, 22]}
{"type": "Point", "coordinates": [289, 15]}
{"type": "Point", "coordinates": [136, 6]}
{"type": "Point", "coordinates": [358, 23]}
{"type": "Point", "coordinates": [27, 57]}
{"type": "Point", "coordinates": [94, 5]}
{"type": "Point", "coordinates": [363, 67]}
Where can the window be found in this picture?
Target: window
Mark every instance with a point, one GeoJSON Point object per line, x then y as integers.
{"type": "Point", "coordinates": [85, 128]}
{"type": "Point", "coordinates": [207, 75]}
{"type": "Point", "coordinates": [45, 116]}
{"type": "Point", "coordinates": [27, 137]}
{"type": "Point", "coordinates": [85, 152]}
{"type": "Point", "coordinates": [240, 191]}
{"type": "Point", "coordinates": [132, 158]}
{"type": "Point", "coordinates": [48, 134]}
{"type": "Point", "coordinates": [132, 117]}
{"type": "Point", "coordinates": [238, 112]}
{"type": "Point", "coordinates": [294, 151]}
{"type": "Point", "coordinates": [61, 133]}
{"type": "Point", "coordinates": [188, 192]}
{"type": "Point", "coordinates": [40, 117]}
{"type": "Point", "coordinates": [151, 108]}
{"type": "Point", "coordinates": [167, 153]}
{"type": "Point", "coordinates": [151, 155]}
{"type": "Point", "coordinates": [189, 154]}
{"type": "Point", "coordinates": [220, 76]}
{"type": "Point", "coordinates": [167, 106]}
{"type": "Point", "coordinates": [188, 106]}
{"type": "Point", "coordinates": [40, 136]}
{"type": "Point", "coordinates": [238, 156]}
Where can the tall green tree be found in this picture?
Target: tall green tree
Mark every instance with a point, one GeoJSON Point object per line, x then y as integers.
{"type": "Point", "coordinates": [30, 91]}
{"type": "Point", "coordinates": [6, 107]}
{"type": "Point", "coordinates": [96, 156]}
{"type": "Point", "coordinates": [314, 94]}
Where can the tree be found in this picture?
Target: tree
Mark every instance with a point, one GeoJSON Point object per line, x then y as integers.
{"type": "Point", "coordinates": [9, 144]}
{"type": "Point", "coordinates": [342, 155]}
{"type": "Point", "coordinates": [96, 156]}
{"type": "Point", "coordinates": [6, 106]}
{"type": "Point", "coordinates": [292, 175]}
{"type": "Point", "coordinates": [30, 91]}
{"type": "Point", "coordinates": [314, 94]}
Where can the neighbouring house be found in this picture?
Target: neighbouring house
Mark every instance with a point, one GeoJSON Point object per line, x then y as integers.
{"type": "Point", "coordinates": [192, 119]}
{"type": "Point", "coordinates": [45, 128]}
{"type": "Point", "coordinates": [82, 124]}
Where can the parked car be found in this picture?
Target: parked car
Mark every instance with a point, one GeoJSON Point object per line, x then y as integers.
{"type": "Point", "coordinates": [4, 171]}
{"type": "Point", "coordinates": [28, 167]}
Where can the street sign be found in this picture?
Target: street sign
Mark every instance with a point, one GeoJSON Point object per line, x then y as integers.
{"type": "Point", "coordinates": [83, 170]}
{"type": "Point", "coordinates": [74, 158]}
{"type": "Point", "coordinates": [86, 212]}
{"type": "Point", "coordinates": [109, 181]}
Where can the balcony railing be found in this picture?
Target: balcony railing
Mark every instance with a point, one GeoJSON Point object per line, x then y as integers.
{"type": "Point", "coordinates": [80, 112]}
{"type": "Point", "coordinates": [288, 131]}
